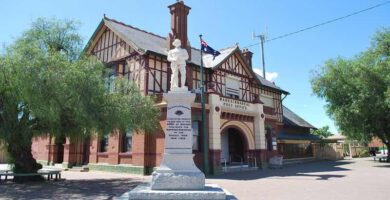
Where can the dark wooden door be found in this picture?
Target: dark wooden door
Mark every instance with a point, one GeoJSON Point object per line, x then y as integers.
{"type": "Point", "coordinates": [236, 146]}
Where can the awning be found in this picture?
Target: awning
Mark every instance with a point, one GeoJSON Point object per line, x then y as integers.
{"type": "Point", "coordinates": [298, 136]}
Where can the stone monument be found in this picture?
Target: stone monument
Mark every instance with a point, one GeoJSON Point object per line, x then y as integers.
{"type": "Point", "coordinates": [177, 177]}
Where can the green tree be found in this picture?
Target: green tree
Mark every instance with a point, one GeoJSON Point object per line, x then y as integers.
{"type": "Point", "coordinates": [357, 91]}
{"type": "Point", "coordinates": [322, 132]}
{"type": "Point", "coordinates": [46, 87]}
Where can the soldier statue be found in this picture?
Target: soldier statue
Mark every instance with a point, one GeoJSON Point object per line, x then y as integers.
{"type": "Point", "coordinates": [177, 57]}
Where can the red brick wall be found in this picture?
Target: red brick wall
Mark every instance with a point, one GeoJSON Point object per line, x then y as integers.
{"type": "Point", "coordinates": [125, 158]}
{"type": "Point", "coordinates": [114, 147]}
{"type": "Point", "coordinates": [214, 161]}
{"type": "Point", "coordinates": [40, 147]}
{"type": "Point", "coordinates": [93, 149]}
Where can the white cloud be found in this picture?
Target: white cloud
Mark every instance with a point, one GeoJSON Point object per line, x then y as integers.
{"type": "Point", "coordinates": [271, 76]}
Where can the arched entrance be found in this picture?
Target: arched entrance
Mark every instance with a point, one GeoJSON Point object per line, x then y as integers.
{"type": "Point", "coordinates": [233, 146]}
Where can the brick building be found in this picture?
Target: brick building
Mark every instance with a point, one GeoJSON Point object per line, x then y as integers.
{"type": "Point", "coordinates": [244, 110]}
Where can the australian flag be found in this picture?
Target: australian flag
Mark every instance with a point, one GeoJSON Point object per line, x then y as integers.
{"type": "Point", "coordinates": [207, 49]}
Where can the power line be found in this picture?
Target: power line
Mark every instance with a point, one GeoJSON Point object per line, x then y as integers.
{"type": "Point", "coordinates": [323, 23]}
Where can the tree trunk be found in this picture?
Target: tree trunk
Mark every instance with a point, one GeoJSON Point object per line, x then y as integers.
{"type": "Point", "coordinates": [23, 160]}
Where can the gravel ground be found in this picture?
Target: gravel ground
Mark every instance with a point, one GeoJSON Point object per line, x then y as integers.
{"type": "Point", "coordinates": [347, 179]}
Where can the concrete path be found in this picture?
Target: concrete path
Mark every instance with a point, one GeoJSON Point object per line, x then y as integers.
{"type": "Point", "coordinates": [348, 179]}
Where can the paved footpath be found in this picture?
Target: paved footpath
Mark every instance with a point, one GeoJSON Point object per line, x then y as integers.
{"type": "Point", "coordinates": [324, 180]}
{"type": "Point", "coordinates": [347, 180]}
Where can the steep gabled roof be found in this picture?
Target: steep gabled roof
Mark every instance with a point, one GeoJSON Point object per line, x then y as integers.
{"type": "Point", "coordinates": [139, 39]}
{"type": "Point", "coordinates": [292, 119]}
{"type": "Point", "coordinates": [270, 84]}
{"type": "Point", "coordinates": [210, 62]}
{"type": "Point", "coordinates": [147, 42]}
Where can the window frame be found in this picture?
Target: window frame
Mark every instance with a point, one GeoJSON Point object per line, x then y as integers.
{"type": "Point", "coordinates": [196, 136]}
{"type": "Point", "coordinates": [105, 139]}
{"type": "Point", "coordinates": [229, 90]}
{"type": "Point", "coordinates": [124, 138]}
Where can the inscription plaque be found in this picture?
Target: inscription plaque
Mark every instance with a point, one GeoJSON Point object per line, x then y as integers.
{"type": "Point", "coordinates": [179, 129]}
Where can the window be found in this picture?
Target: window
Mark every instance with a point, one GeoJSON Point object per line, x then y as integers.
{"type": "Point", "coordinates": [110, 81]}
{"type": "Point", "coordinates": [195, 131]}
{"type": "Point", "coordinates": [127, 139]}
{"type": "Point", "coordinates": [267, 100]}
{"type": "Point", "coordinates": [103, 144]}
{"type": "Point", "coordinates": [232, 87]}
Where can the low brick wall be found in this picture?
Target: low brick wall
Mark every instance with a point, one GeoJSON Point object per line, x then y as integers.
{"type": "Point", "coordinates": [120, 168]}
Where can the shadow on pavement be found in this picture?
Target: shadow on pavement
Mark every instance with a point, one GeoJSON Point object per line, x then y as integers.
{"type": "Point", "coordinates": [300, 170]}
{"type": "Point", "coordinates": [67, 189]}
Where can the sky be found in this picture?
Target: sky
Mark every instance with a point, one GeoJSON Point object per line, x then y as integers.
{"type": "Point", "coordinates": [290, 61]}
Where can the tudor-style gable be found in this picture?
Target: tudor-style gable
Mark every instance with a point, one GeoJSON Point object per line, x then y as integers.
{"type": "Point", "coordinates": [234, 78]}
{"type": "Point", "coordinates": [117, 54]}
{"type": "Point", "coordinates": [107, 46]}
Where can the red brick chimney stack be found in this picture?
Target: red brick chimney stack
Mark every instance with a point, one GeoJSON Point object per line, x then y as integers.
{"type": "Point", "coordinates": [179, 12]}
{"type": "Point", "coordinates": [248, 56]}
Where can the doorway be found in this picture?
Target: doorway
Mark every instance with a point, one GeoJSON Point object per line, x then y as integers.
{"type": "Point", "coordinates": [233, 146]}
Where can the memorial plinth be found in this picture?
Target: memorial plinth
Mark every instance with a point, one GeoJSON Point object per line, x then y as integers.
{"type": "Point", "coordinates": [177, 169]}
{"type": "Point", "coordinates": [177, 177]}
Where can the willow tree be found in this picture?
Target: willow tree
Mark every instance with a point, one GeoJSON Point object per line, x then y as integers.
{"type": "Point", "coordinates": [357, 91]}
{"type": "Point", "coordinates": [46, 87]}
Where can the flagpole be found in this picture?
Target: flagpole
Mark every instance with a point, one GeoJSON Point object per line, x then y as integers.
{"type": "Point", "coordinates": [203, 122]}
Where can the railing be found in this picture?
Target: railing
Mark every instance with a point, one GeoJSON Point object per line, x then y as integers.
{"type": "Point", "coordinates": [231, 162]}
{"type": "Point", "coordinates": [225, 166]}
{"type": "Point", "coordinates": [253, 159]}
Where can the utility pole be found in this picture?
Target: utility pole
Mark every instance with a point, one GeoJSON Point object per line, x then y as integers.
{"type": "Point", "coordinates": [262, 41]}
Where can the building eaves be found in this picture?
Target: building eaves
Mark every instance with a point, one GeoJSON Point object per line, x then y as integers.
{"type": "Point", "coordinates": [292, 119]}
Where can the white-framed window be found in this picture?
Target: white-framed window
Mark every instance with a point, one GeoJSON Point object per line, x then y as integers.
{"type": "Point", "coordinates": [110, 81]}
{"type": "Point", "coordinates": [195, 136]}
{"type": "Point", "coordinates": [267, 100]}
{"type": "Point", "coordinates": [232, 89]}
{"type": "Point", "coordinates": [127, 139]}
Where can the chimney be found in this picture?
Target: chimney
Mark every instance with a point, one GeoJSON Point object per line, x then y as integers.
{"type": "Point", "coordinates": [179, 13]}
{"type": "Point", "coordinates": [248, 56]}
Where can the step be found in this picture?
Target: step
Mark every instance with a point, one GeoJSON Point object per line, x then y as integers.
{"type": "Point", "coordinates": [79, 169]}
{"type": "Point", "coordinates": [298, 160]}
{"type": "Point", "coordinates": [58, 165]}
{"type": "Point", "coordinates": [53, 167]}
{"type": "Point", "coordinates": [238, 168]}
